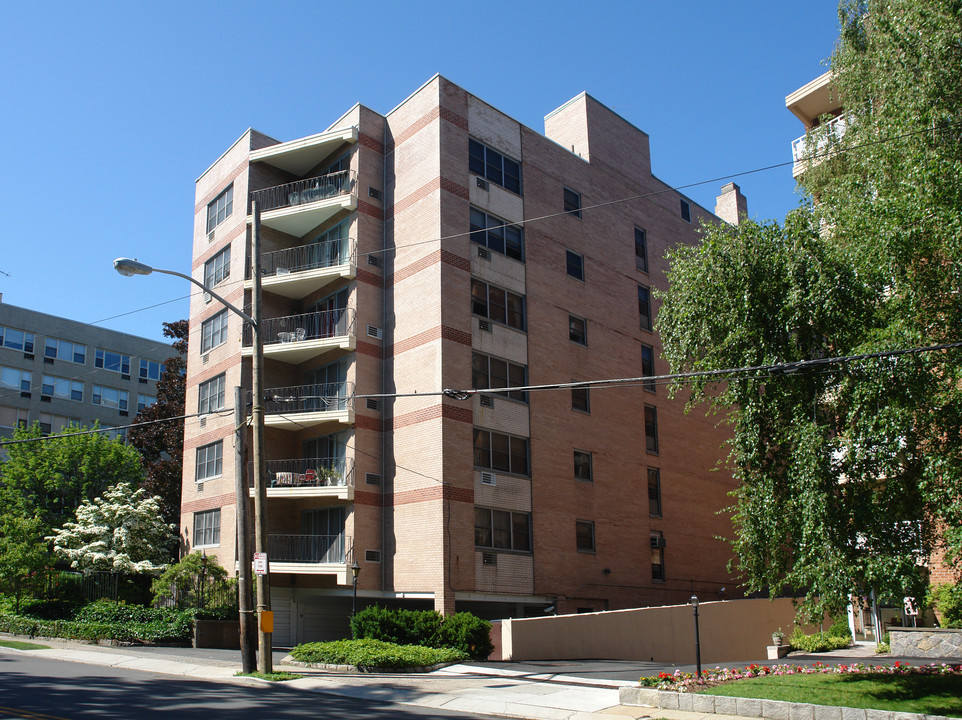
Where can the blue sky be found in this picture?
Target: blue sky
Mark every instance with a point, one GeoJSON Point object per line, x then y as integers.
{"type": "Point", "coordinates": [111, 110]}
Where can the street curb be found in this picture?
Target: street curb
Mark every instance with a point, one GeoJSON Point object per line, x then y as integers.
{"type": "Point", "coordinates": [755, 708]}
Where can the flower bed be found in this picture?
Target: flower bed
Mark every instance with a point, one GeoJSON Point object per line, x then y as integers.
{"type": "Point", "coordinates": [688, 682]}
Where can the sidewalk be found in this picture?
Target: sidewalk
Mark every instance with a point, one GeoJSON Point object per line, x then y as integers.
{"type": "Point", "coordinates": [561, 690]}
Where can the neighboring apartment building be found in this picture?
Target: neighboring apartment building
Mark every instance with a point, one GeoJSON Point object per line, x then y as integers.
{"type": "Point", "coordinates": [444, 245]}
{"type": "Point", "coordinates": [60, 372]}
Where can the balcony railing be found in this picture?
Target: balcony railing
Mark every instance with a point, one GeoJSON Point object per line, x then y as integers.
{"type": "Point", "coordinates": [310, 472]}
{"type": "Point", "coordinates": [315, 549]}
{"type": "Point", "coordinates": [322, 397]}
{"type": "Point", "coordinates": [818, 139]}
{"type": "Point", "coordinates": [315, 256]}
{"type": "Point", "coordinates": [308, 326]}
{"type": "Point", "coordinates": [305, 191]}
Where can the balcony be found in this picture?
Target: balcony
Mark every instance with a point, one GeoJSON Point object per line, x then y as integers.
{"type": "Point", "coordinates": [311, 554]}
{"type": "Point", "coordinates": [816, 145]}
{"type": "Point", "coordinates": [310, 477]}
{"type": "Point", "coordinates": [297, 208]}
{"type": "Point", "coordinates": [297, 272]}
{"type": "Point", "coordinates": [296, 338]}
{"type": "Point", "coordinates": [310, 406]}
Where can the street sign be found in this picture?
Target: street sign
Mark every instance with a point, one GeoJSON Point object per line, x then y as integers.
{"type": "Point", "coordinates": [260, 563]}
{"type": "Point", "coordinates": [910, 607]}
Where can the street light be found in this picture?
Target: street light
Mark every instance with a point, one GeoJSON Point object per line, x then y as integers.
{"type": "Point", "coordinates": [128, 268]}
{"type": "Point", "coordinates": [694, 604]}
{"type": "Point", "coordinates": [355, 570]}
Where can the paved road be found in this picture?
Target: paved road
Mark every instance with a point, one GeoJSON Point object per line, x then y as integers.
{"type": "Point", "coordinates": [46, 689]}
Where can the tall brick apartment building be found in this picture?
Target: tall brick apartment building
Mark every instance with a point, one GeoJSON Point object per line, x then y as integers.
{"type": "Point", "coordinates": [444, 245]}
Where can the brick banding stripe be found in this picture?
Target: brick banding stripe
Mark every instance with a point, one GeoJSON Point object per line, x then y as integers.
{"type": "Point", "coordinates": [370, 210]}
{"type": "Point", "coordinates": [208, 503]}
{"type": "Point", "coordinates": [370, 278]}
{"type": "Point", "coordinates": [369, 142]}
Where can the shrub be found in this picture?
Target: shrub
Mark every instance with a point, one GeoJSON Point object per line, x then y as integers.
{"type": "Point", "coordinates": [369, 654]}
{"type": "Point", "coordinates": [402, 627]}
{"type": "Point", "coordinates": [194, 582]}
{"type": "Point", "coordinates": [467, 633]}
{"type": "Point", "coordinates": [840, 629]}
{"type": "Point", "coordinates": [107, 620]}
{"type": "Point", "coordinates": [817, 642]}
{"type": "Point", "coordinates": [947, 602]}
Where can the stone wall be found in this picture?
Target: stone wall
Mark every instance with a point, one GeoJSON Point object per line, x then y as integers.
{"type": "Point", "coordinates": [927, 642]}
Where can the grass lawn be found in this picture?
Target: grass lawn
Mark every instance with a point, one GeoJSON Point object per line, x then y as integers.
{"type": "Point", "coordinates": [929, 694]}
{"type": "Point", "coordinates": [18, 645]}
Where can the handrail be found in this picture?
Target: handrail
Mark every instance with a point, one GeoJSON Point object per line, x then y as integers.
{"type": "Point", "coordinates": [306, 326]}
{"type": "Point", "coordinates": [305, 191]}
{"type": "Point", "coordinates": [322, 397]}
{"type": "Point", "coordinates": [313, 256]}
{"type": "Point", "coordinates": [311, 472]}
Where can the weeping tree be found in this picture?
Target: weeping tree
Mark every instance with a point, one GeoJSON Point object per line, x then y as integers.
{"type": "Point", "coordinates": [849, 474]}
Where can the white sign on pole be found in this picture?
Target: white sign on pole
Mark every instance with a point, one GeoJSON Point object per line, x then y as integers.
{"type": "Point", "coordinates": [910, 607]}
{"type": "Point", "coordinates": [260, 563]}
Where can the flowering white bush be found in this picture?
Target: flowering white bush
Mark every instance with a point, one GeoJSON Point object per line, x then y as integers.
{"type": "Point", "coordinates": [122, 531]}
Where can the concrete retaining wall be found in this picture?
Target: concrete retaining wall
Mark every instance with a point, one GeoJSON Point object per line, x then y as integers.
{"type": "Point", "coordinates": [750, 707]}
{"type": "Point", "coordinates": [730, 631]}
{"type": "Point", "coordinates": [926, 642]}
{"type": "Point", "coordinates": [223, 634]}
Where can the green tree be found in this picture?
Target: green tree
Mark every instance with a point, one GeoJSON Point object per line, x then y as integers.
{"type": "Point", "coordinates": [195, 581]}
{"type": "Point", "coordinates": [849, 474]}
{"type": "Point", "coordinates": [23, 552]}
{"type": "Point", "coordinates": [161, 444]}
{"type": "Point", "coordinates": [121, 531]}
{"type": "Point", "coordinates": [51, 477]}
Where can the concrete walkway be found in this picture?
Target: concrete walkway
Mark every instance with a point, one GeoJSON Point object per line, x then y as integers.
{"type": "Point", "coordinates": [562, 690]}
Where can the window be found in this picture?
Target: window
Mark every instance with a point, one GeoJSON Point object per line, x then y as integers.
{"type": "Point", "coordinates": [579, 399]}
{"type": "Point", "coordinates": [210, 459]}
{"type": "Point", "coordinates": [583, 466]}
{"type": "Point", "coordinates": [114, 433]}
{"type": "Point", "coordinates": [494, 451]}
{"type": "Point", "coordinates": [585, 536]}
{"type": "Point", "coordinates": [578, 330]}
{"type": "Point", "coordinates": [497, 234]}
{"type": "Point", "coordinates": [572, 202]}
{"type": "Point", "coordinates": [654, 492]}
{"type": "Point", "coordinates": [207, 528]}
{"type": "Point", "coordinates": [62, 388]}
{"type": "Point", "coordinates": [16, 339]}
{"type": "Point", "coordinates": [575, 265]}
{"type": "Point", "coordinates": [56, 423]}
{"type": "Point", "coordinates": [210, 395]}
{"type": "Point", "coordinates": [648, 366]}
{"type": "Point", "coordinates": [11, 417]}
{"type": "Point", "coordinates": [489, 372]}
{"type": "Point", "coordinates": [502, 529]}
{"type": "Point", "coordinates": [493, 166]}
{"type": "Point", "coordinates": [657, 556]}
{"type": "Point", "coordinates": [217, 268]}
{"type": "Point", "coordinates": [651, 429]}
{"type": "Point", "coordinates": [65, 350]}
{"type": "Point", "coordinates": [15, 379]}
{"type": "Point", "coordinates": [150, 369]}
{"type": "Point", "coordinates": [213, 331]}
{"type": "Point", "coordinates": [145, 401]}
{"type": "Point", "coordinates": [644, 307]}
{"type": "Point", "coordinates": [685, 210]}
{"type": "Point", "coordinates": [497, 304]}
{"type": "Point", "coordinates": [220, 208]}
{"type": "Point", "coordinates": [641, 249]}
{"type": "Point", "coordinates": [110, 397]}
{"type": "Point", "coordinates": [110, 360]}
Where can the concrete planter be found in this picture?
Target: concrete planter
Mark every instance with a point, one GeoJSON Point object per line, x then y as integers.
{"type": "Point", "coordinates": [750, 707]}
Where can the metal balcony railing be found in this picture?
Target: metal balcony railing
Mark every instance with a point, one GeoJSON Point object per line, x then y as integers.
{"type": "Point", "coordinates": [322, 397]}
{"type": "Point", "coordinates": [314, 549]}
{"type": "Point", "coordinates": [307, 326]}
{"type": "Point", "coordinates": [818, 139]}
{"type": "Point", "coordinates": [329, 253]}
{"type": "Point", "coordinates": [305, 191]}
{"type": "Point", "coordinates": [309, 472]}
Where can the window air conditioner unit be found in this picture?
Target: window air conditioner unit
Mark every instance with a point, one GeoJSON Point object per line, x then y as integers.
{"type": "Point", "coordinates": [482, 183]}
{"type": "Point", "coordinates": [486, 400]}
{"type": "Point", "coordinates": [659, 542]}
{"type": "Point", "coordinates": [489, 478]}
{"type": "Point", "coordinates": [483, 252]}
{"type": "Point", "coordinates": [485, 325]}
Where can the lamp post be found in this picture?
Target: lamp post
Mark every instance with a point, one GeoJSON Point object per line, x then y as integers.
{"type": "Point", "coordinates": [355, 571]}
{"type": "Point", "coordinates": [694, 604]}
{"type": "Point", "coordinates": [129, 268]}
